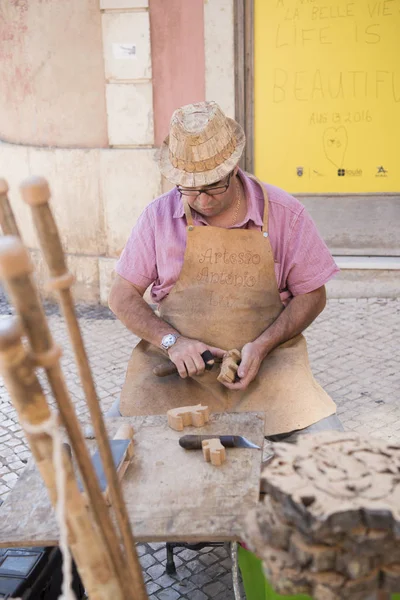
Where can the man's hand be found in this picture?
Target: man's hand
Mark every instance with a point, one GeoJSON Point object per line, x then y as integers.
{"type": "Point", "coordinates": [252, 357]}
{"type": "Point", "coordinates": [298, 314]}
{"type": "Point", "coordinates": [186, 355]}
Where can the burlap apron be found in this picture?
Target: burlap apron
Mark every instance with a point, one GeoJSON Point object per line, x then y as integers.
{"type": "Point", "coordinates": [226, 296]}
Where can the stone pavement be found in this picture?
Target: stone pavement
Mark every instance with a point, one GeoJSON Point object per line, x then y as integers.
{"type": "Point", "coordinates": [355, 354]}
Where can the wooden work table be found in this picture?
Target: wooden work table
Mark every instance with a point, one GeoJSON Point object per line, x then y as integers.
{"type": "Point", "coordinates": [171, 494]}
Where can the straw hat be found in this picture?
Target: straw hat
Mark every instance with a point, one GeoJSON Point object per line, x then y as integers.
{"type": "Point", "coordinates": [203, 145]}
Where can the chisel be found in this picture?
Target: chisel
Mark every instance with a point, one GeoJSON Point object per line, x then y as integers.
{"type": "Point", "coordinates": [193, 442]}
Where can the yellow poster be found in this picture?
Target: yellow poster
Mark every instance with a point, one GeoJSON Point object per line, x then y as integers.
{"type": "Point", "coordinates": [327, 95]}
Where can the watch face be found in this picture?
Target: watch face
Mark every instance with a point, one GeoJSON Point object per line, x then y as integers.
{"type": "Point", "coordinates": [168, 340]}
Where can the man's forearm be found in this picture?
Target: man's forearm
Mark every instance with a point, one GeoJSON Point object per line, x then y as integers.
{"type": "Point", "coordinates": [126, 302]}
{"type": "Point", "coordinates": [138, 317]}
{"type": "Point", "coordinates": [295, 318]}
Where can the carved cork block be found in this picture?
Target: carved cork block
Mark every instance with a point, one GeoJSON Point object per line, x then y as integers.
{"type": "Point", "coordinates": [329, 524]}
{"type": "Point", "coordinates": [229, 366]}
{"type": "Point", "coordinates": [214, 452]}
{"type": "Point", "coordinates": [197, 416]}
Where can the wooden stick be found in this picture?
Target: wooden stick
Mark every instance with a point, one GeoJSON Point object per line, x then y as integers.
{"type": "Point", "coordinates": [87, 547]}
{"type": "Point", "coordinates": [7, 219]}
{"type": "Point", "coordinates": [15, 269]}
{"type": "Point", "coordinates": [35, 191]}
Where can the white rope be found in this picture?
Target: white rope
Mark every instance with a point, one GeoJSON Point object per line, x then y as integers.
{"type": "Point", "coordinates": [51, 428]}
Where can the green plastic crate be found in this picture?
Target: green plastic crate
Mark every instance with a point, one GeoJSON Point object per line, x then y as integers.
{"type": "Point", "coordinates": [256, 585]}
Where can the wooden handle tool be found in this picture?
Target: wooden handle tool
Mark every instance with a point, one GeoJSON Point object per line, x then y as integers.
{"type": "Point", "coordinates": [15, 272]}
{"type": "Point", "coordinates": [88, 548]}
{"type": "Point", "coordinates": [169, 368]}
{"type": "Point", "coordinates": [35, 192]}
{"type": "Point", "coordinates": [165, 369]}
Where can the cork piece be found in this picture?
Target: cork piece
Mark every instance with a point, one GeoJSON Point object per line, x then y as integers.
{"type": "Point", "coordinates": [229, 366]}
{"type": "Point", "coordinates": [14, 258]}
{"type": "Point", "coordinates": [214, 452]}
{"type": "Point", "coordinates": [197, 416]}
{"type": "Point", "coordinates": [35, 191]}
{"type": "Point", "coordinates": [329, 525]}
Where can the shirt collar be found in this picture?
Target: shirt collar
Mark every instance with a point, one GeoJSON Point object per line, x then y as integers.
{"type": "Point", "coordinates": [253, 197]}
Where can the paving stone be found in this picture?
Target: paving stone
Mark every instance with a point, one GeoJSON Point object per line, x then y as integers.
{"type": "Point", "coordinates": [209, 558]}
{"type": "Point", "coordinates": [152, 587]}
{"type": "Point", "coordinates": [215, 570]}
{"type": "Point", "coordinates": [187, 554]}
{"type": "Point", "coordinates": [147, 560]}
{"type": "Point", "coordinates": [227, 563]}
{"type": "Point", "coordinates": [195, 566]}
{"type": "Point", "coordinates": [169, 594]}
{"type": "Point", "coordinates": [186, 587]}
{"type": "Point", "coordinates": [156, 571]}
{"type": "Point", "coordinates": [198, 595]}
{"type": "Point", "coordinates": [141, 549]}
{"type": "Point", "coordinates": [184, 572]}
{"type": "Point", "coordinates": [200, 579]}
{"type": "Point", "coordinates": [214, 588]}
{"type": "Point", "coordinates": [221, 551]}
{"type": "Point", "coordinates": [166, 580]}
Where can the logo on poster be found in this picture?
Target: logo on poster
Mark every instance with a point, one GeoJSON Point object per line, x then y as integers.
{"type": "Point", "coordinates": [382, 172]}
{"type": "Point", "coordinates": [349, 172]}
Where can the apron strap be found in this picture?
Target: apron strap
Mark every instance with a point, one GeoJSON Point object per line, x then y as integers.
{"type": "Point", "coordinates": [188, 213]}
{"type": "Point", "coordinates": [266, 205]}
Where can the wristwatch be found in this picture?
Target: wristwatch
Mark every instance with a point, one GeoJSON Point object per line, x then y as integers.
{"type": "Point", "coordinates": [169, 340]}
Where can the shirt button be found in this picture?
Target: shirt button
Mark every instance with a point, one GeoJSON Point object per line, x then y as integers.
{"type": "Point", "coordinates": [190, 227]}
{"type": "Point", "coordinates": [265, 234]}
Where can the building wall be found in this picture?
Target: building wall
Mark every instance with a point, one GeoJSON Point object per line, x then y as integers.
{"type": "Point", "coordinates": [88, 92]}
{"type": "Point", "coordinates": [49, 51]}
{"type": "Point", "coordinates": [89, 114]}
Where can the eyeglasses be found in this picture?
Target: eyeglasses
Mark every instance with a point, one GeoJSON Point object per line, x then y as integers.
{"type": "Point", "coordinates": [210, 191]}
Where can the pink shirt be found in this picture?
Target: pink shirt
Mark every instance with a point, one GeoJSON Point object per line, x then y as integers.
{"type": "Point", "coordinates": [155, 248]}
